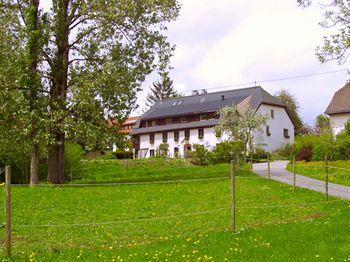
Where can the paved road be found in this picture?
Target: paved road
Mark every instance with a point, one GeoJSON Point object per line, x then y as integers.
{"type": "Point", "coordinates": [279, 173]}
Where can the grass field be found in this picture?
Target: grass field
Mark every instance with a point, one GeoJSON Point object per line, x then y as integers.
{"type": "Point", "coordinates": [339, 171]}
{"type": "Point", "coordinates": [187, 221]}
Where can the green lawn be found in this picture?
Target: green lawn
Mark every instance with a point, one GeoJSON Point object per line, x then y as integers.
{"type": "Point", "coordinates": [339, 171]}
{"type": "Point", "coordinates": [178, 222]}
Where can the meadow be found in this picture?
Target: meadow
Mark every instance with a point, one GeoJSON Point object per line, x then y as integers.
{"type": "Point", "coordinates": [338, 171]}
{"type": "Point", "coordinates": [185, 220]}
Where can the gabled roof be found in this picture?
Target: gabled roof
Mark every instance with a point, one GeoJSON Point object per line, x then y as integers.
{"type": "Point", "coordinates": [340, 102]}
{"type": "Point", "coordinates": [210, 102]}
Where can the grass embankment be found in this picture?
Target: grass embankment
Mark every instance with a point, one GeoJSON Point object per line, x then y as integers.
{"type": "Point", "coordinates": [177, 222]}
{"type": "Point", "coordinates": [157, 169]}
{"type": "Point", "coordinates": [339, 171]}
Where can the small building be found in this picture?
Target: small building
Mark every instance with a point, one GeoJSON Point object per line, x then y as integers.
{"type": "Point", "coordinates": [184, 121]}
{"type": "Point", "coordinates": [128, 125]}
{"type": "Point", "coordinates": [339, 109]}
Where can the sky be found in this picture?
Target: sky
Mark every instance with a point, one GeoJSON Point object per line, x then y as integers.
{"type": "Point", "coordinates": [222, 43]}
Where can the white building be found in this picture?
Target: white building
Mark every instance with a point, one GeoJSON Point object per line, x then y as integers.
{"type": "Point", "coordinates": [185, 121]}
{"type": "Point", "coordinates": [339, 109]}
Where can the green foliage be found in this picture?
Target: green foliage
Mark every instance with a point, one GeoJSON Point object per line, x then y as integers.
{"type": "Point", "coordinates": [259, 153]}
{"type": "Point", "coordinates": [200, 155]}
{"type": "Point", "coordinates": [347, 127]}
{"type": "Point", "coordinates": [73, 154]}
{"type": "Point", "coordinates": [225, 151]}
{"type": "Point", "coordinates": [123, 154]}
{"type": "Point", "coordinates": [323, 124]}
{"type": "Point", "coordinates": [161, 90]}
{"type": "Point", "coordinates": [162, 150]}
{"type": "Point", "coordinates": [293, 108]}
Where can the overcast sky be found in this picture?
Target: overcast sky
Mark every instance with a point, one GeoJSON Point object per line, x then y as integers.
{"type": "Point", "coordinates": [221, 43]}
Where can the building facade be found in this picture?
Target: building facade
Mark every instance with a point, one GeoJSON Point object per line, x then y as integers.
{"type": "Point", "coordinates": [185, 121]}
{"type": "Point", "coordinates": [339, 109]}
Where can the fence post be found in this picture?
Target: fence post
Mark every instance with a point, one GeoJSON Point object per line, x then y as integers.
{"type": "Point", "coordinates": [326, 177]}
{"type": "Point", "coordinates": [233, 196]}
{"type": "Point", "coordinates": [268, 167]}
{"type": "Point", "coordinates": [8, 210]}
{"type": "Point", "coordinates": [126, 164]}
{"type": "Point", "coordinates": [251, 162]}
{"type": "Point", "coordinates": [294, 178]}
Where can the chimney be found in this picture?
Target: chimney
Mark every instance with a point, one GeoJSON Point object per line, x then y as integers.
{"type": "Point", "coordinates": [222, 97]}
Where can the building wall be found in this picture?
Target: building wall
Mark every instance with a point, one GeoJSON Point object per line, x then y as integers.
{"type": "Point", "coordinates": [338, 121]}
{"type": "Point", "coordinates": [270, 143]}
{"type": "Point", "coordinates": [276, 125]}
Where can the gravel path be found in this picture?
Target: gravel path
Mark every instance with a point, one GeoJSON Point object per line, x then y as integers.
{"type": "Point", "coordinates": [279, 173]}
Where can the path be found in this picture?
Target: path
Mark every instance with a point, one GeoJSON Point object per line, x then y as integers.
{"type": "Point", "coordinates": [279, 173]}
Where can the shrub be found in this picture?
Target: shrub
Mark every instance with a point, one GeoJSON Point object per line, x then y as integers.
{"type": "Point", "coordinates": [285, 152]}
{"type": "Point", "coordinates": [225, 151]}
{"type": "Point", "coordinates": [259, 153]}
{"type": "Point", "coordinates": [123, 154]}
{"type": "Point", "coordinates": [200, 155]}
{"type": "Point", "coordinates": [304, 154]}
{"type": "Point", "coordinates": [163, 149]}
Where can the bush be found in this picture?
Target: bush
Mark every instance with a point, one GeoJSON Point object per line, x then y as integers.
{"type": "Point", "coordinates": [200, 155]}
{"type": "Point", "coordinates": [163, 149]}
{"type": "Point", "coordinates": [259, 153]}
{"type": "Point", "coordinates": [73, 154]}
{"type": "Point", "coordinates": [305, 154]}
{"type": "Point", "coordinates": [285, 152]}
{"type": "Point", "coordinates": [123, 154]}
{"type": "Point", "coordinates": [225, 151]}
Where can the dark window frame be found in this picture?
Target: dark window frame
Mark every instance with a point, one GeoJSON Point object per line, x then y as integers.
{"type": "Point", "coordinates": [176, 136]}
{"type": "Point", "coordinates": [268, 133]}
{"type": "Point", "coordinates": [187, 137]}
{"type": "Point", "coordinates": [151, 138]}
{"type": "Point", "coordinates": [286, 133]}
{"type": "Point", "coordinates": [200, 133]}
{"type": "Point", "coordinates": [151, 152]}
{"type": "Point", "coordinates": [165, 137]}
{"type": "Point", "coordinates": [272, 113]}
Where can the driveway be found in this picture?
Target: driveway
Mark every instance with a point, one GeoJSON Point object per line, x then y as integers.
{"type": "Point", "coordinates": [279, 173]}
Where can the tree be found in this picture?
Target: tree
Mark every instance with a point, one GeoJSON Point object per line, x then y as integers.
{"type": "Point", "coordinates": [323, 125]}
{"type": "Point", "coordinates": [99, 53]}
{"type": "Point", "coordinates": [293, 109]}
{"type": "Point", "coordinates": [337, 45]}
{"type": "Point", "coordinates": [240, 124]}
{"type": "Point", "coordinates": [161, 90]}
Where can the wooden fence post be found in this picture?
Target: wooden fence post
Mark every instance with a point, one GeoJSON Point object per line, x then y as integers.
{"type": "Point", "coordinates": [8, 210]}
{"type": "Point", "coordinates": [268, 167]}
{"type": "Point", "coordinates": [326, 176]}
{"type": "Point", "coordinates": [294, 177]}
{"type": "Point", "coordinates": [233, 196]}
{"type": "Point", "coordinates": [251, 162]}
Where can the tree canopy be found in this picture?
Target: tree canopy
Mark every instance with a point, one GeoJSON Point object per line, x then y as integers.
{"type": "Point", "coordinates": [90, 57]}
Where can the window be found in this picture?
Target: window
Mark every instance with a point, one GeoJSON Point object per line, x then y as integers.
{"type": "Point", "coordinates": [286, 133]}
{"type": "Point", "coordinates": [176, 136]}
{"type": "Point", "coordinates": [268, 131]}
{"type": "Point", "coordinates": [151, 152]}
{"type": "Point", "coordinates": [187, 134]}
{"type": "Point", "coordinates": [169, 121]}
{"type": "Point", "coordinates": [151, 138]}
{"type": "Point", "coordinates": [200, 133]}
{"type": "Point", "coordinates": [165, 137]}
{"type": "Point", "coordinates": [272, 113]}
{"type": "Point", "coordinates": [176, 152]}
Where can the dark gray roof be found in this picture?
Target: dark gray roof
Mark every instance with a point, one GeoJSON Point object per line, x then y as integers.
{"type": "Point", "coordinates": [209, 102]}
{"type": "Point", "coordinates": [163, 128]}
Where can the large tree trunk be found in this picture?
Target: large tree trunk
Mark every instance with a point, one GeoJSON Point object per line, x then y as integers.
{"type": "Point", "coordinates": [34, 84]}
{"type": "Point", "coordinates": [58, 93]}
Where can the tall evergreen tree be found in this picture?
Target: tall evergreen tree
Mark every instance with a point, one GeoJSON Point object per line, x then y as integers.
{"type": "Point", "coordinates": [161, 90]}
